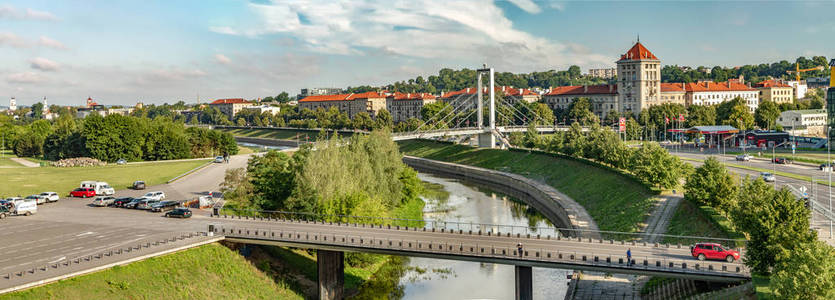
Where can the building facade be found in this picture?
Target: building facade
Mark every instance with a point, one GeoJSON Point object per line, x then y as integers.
{"type": "Point", "coordinates": [602, 98]}
{"type": "Point", "coordinates": [261, 109]}
{"type": "Point", "coordinates": [352, 104]}
{"type": "Point", "coordinates": [800, 88]}
{"type": "Point", "coordinates": [775, 91]}
{"type": "Point", "coordinates": [711, 93]}
{"type": "Point", "coordinates": [639, 79]}
{"type": "Point", "coordinates": [405, 106]}
{"type": "Point", "coordinates": [603, 73]}
{"type": "Point", "coordinates": [513, 95]}
{"type": "Point", "coordinates": [809, 122]}
{"type": "Point", "coordinates": [307, 92]}
{"type": "Point", "coordinates": [230, 107]}
{"type": "Point", "coordinates": [674, 93]}
{"type": "Point", "coordinates": [12, 105]}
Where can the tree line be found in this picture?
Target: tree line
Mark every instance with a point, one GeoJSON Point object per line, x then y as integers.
{"type": "Point", "coordinates": [781, 243]}
{"type": "Point", "coordinates": [115, 137]}
{"type": "Point", "coordinates": [752, 73]}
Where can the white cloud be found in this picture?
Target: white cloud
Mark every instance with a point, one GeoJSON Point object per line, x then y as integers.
{"type": "Point", "coordinates": [527, 5]}
{"type": "Point", "coordinates": [39, 15]}
{"type": "Point", "coordinates": [48, 42]}
{"type": "Point", "coordinates": [43, 64]}
{"type": "Point", "coordinates": [472, 32]}
{"type": "Point", "coordinates": [24, 78]}
{"type": "Point", "coordinates": [7, 11]}
{"type": "Point", "coordinates": [11, 39]}
{"type": "Point", "coordinates": [222, 59]}
{"type": "Point", "coordinates": [558, 5]}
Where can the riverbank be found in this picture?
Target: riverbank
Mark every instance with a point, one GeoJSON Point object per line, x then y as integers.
{"type": "Point", "coordinates": [623, 205]}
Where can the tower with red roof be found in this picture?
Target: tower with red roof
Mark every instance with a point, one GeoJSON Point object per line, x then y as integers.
{"type": "Point", "coordinates": [639, 79]}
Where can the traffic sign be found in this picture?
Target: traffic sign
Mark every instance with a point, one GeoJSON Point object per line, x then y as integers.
{"type": "Point", "coordinates": [622, 125]}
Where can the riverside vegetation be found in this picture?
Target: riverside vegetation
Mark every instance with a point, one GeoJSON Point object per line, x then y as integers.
{"type": "Point", "coordinates": [362, 175]}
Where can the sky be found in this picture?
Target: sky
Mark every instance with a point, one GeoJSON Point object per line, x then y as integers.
{"type": "Point", "coordinates": [121, 52]}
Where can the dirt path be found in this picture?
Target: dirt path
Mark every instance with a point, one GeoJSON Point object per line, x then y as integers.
{"type": "Point", "coordinates": [25, 162]}
{"type": "Point", "coordinates": [660, 219]}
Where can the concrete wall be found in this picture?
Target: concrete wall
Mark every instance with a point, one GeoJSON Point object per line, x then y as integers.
{"type": "Point", "coordinates": [266, 142]}
{"type": "Point", "coordinates": [561, 211]}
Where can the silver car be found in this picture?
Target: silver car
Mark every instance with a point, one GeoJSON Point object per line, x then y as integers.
{"type": "Point", "coordinates": [768, 177]}
{"type": "Point", "coordinates": [743, 157]}
{"type": "Point", "coordinates": [103, 201]}
{"type": "Point", "coordinates": [38, 199]}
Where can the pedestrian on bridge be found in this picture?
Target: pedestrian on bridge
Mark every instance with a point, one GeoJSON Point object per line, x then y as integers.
{"type": "Point", "coordinates": [628, 257]}
{"type": "Point", "coordinates": [519, 246]}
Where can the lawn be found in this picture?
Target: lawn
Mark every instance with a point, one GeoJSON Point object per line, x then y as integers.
{"type": "Point", "coordinates": [6, 162]}
{"type": "Point", "coordinates": [27, 181]}
{"type": "Point", "coordinates": [692, 220]}
{"type": "Point", "coordinates": [280, 134]}
{"type": "Point", "coordinates": [614, 201]}
{"type": "Point", "coordinates": [207, 272]}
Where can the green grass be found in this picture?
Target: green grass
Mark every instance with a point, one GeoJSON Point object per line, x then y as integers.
{"type": "Point", "coordinates": [6, 161]}
{"type": "Point", "coordinates": [761, 287]}
{"type": "Point", "coordinates": [27, 181]}
{"type": "Point", "coordinates": [280, 134]}
{"type": "Point", "coordinates": [693, 220]}
{"type": "Point", "coordinates": [815, 158]}
{"type": "Point", "coordinates": [207, 272]}
{"type": "Point", "coordinates": [616, 202]}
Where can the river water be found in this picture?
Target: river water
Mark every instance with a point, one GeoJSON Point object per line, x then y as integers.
{"type": "Point", "coordinates": [452, 200]}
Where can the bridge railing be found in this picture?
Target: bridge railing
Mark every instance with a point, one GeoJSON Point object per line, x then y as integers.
{"type": "Point", "coordinates": [589, 257]}
{"type": "Point", "coordinates": [485, 228]}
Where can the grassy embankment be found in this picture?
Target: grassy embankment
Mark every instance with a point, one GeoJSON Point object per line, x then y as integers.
{"type": "Point", "coordinates": [207, 272]}
{"type": "Point", "coordinates": [280, 134]}
{"type": "Point", "coordinates": [614, 201]}
{"type": "Point", "coordinates": [26, 181]}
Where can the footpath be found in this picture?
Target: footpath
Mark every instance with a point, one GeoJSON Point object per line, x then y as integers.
{"type": "Point", "coordinates": [25, 162]}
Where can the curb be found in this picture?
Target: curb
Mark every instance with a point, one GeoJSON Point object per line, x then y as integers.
{"type": "Point", "coordinates": [189, 172]}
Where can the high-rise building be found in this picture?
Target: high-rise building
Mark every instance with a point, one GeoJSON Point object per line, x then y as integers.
{"type": "Point", "coordinates": [307, 92]}
{"type": "Point", "coordinates": [12, 105]}
{"type": "Point", "coordinates": [603, 73]}
{"type": "Point", "coordinates": [639, 79]}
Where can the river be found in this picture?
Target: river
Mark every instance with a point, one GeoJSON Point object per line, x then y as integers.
{"type": "Point", "coordinates": [452, 200]}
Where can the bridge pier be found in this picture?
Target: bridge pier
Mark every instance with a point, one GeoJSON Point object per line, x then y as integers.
{"type": "Point", "coordinates": [486, 140]}
{"type": "Point", "coordinates": [331, 274]}
{"type": "Point", "coordinates": [524, 283]}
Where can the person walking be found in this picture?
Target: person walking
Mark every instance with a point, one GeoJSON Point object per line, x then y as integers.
{"type": "Point", "coordinates": [519, 246]}
{"type": "Point", "coordinates": [628, 257]}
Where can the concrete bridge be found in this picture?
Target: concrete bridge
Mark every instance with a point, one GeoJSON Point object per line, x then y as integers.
{"type": "Point", "coordinates": [486, 245]}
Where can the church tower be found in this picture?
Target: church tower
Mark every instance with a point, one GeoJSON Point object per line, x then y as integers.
{"type": "Point", "coordinates": [639, 79]}
{"type": "Point", "coordinates": [12, 104]}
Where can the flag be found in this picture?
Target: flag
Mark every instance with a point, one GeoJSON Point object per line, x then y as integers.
{"type": "Point", "coordinates": [681, 117]}
{"type": "Point", "coordinates": [666, 120]}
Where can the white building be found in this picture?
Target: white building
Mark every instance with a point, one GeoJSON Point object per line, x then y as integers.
{"type": "Point", "coordinates": [800, 88]}
{"type": "Point", "coordinates": [261, 109]}
{"type": "Point", "coordinates": [711, 93]}
{"type": "Point", "coordinates": [12, 105]}
{"type": "Point", "coordinates": [809, 122]}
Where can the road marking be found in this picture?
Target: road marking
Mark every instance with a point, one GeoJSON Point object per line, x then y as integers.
{"type": "Point", "coordinates": [86, 233]}
{"type": "Point", "coordinates": [59, 259]}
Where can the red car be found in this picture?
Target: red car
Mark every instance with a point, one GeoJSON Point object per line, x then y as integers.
{"type": "Point", "coordinates": [83, 192]}
{"type": "Point", "coordinates": [704, 251]}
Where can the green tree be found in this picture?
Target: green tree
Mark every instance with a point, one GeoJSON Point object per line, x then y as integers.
{"type": "Point", "coordinates": [701, 115]}
{"type": "Point", "coordinates": [383, 119]}
{"type": "Point", "coordinates": [543, 115]}
{"type": "Point", "coordinates": [37, 110]}
{"type": "Point", "coordinates": [712, 185]}
{"type": "Point", "coordinates": [282, 97]}
{"type": "Point", "coordinates": [766, 114]}
{"type": "Point", "coordinates": [580, 111]}
{"type": "Point", "coordinates": [656, 166]}
{"type": "Point", "coordinates": [363, 121]}
{"type": "Point", "coordinates": [808, 273]}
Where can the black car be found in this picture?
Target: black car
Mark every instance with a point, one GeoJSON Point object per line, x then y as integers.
{"type": "Point", "coordinates": [121, 201]}
{"type": "Point", "coordinates": [164, 205]}
{"type": "Point", "coordinates": [138, 185]}
{"type": "Point", "coordinates": [132, 204]}
{"type": "Point", "coordinates": [781, 160]}
{"type": "Point", "coordinates": [179, 212]}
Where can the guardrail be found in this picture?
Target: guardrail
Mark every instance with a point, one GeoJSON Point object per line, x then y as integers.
{"type": "Point", "coordinates": [478, 228]}
{"type": "Point", "coordinates": [486, 250]}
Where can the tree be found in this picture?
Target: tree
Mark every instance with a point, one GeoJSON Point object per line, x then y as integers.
{"type": "Point", "coordinates": [808, 273]}
{"type": "Point", "coordinates": [711, 185]}
{"type": "Point", "coordinates": [383, 119]}
{"type": "Point", "coordinates": [580, 111]}
{"type": "Point", "coordinates": [37, 110]}
{"type": "Point", "coordinates": [633, 130]}
{"type": "Point", "coordinates": [766, 114]}
{"type": "Point", "coordinates": [700, 115]}
{"type": "Point", "coordinates": [543, 115]}
{"type": "Point", "coordinates": [656, 166]}
{"type": "Point", "coordinates": [740, 117]}
{"type": "Point", "coordinates": [362, 121]}
{"type": "Point", "coordinates": [282, 98]}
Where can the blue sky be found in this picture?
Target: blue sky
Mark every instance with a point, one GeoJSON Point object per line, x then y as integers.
{"type": "Point", "coordinates": [121, 52]}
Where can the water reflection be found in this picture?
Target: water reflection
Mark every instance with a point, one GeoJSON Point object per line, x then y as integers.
{"type": "Point", "coordinates": [446, 279]}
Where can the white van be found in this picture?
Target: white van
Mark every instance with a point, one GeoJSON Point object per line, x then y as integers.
{"type": "Point", "coordinates": [22, 206]}
{"type": "Point", "coordinates": [101, 187]}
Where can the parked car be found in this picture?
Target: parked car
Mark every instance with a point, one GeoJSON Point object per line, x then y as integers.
{"type": "Point", "coordinates": [146, 204]}
{"type": "Point", "coordinates": [826, 167]}
{"type": "Point", "coordinates": [101, 187]}
{"type": "Point", "coordinates": [121, 161]}
{"type": "Point", "coordinates": [102, 201]}
{"type": "Point", "coordinates": [38, 199]}
{"type": "Point", "coordinates": [219, 159]}
{"type": "Point", "coordinates": [179, 212]}
{"type": "Point", "coordinates": [4, 211]}
{"type": "Point", "coordinates": [781, 160]}
{"type": "Point", "coordinates": [743, 157]}
{"type": "Point", "coordinates": [155, 195]}
{"type": "Point", "coordinates": [132, 204]}
{"type": "Point", "coordinates": [704, 251]}
{"type": "Point", "coordinates": [138, 185]}
{"type": "Point", "coordinates": [121, 201]}
{"type": "Point", "coordinates": [164, 205]}
{"type": "Point", "coordinates": [83, 192]}
{"type": "Point", "coordinates": [18, 206]}
{"type": "Point", "coordinates": [51, 196]}
{"type": "Point", "coordinates": [768, 177]}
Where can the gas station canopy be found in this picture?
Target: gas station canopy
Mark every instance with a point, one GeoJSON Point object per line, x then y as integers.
{"type": "Point", "coordinates": [718, 129]}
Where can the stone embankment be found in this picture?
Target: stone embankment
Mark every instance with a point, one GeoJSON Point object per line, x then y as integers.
{"type": "Point", "coordinates": [78, 162]}
{"type": "Point", "coordinates": [562, 211]}
{"type": "Point", "coordinates": [267, 141]}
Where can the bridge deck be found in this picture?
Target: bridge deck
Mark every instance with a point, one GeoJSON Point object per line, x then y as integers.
{"type": "Point", "coordinates": [564, 253]}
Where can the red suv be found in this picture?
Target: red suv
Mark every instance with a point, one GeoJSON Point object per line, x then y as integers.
{"type": "Point", "coordinates": [704, 251]}
{"type": "Point", "coordinates": [83, 192]}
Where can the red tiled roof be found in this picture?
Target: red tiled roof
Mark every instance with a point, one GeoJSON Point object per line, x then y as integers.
{"type": "Point", "coordinates": [507, 90]}
{"type": "Point", "coordinates": [411, 96]}
{"type": "Point", "coordinates": [672, 87]}
{"type": "Point", "coordinates": [229, 101]}
{"type": "Point", "coordinates": [467, 91]}
{"type": "Point", "coordinates": [341, 97]}
{"type": "Point", "coordinates": [638, 52]}
{"type": "Point", "coordinates": [771, 84]}
{"type": "Point", "coordinates": [583, 90]}
{"type": "Point", "coordinates": [716, 87]}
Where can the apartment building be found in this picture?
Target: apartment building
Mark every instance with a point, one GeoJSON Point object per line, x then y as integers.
{"type": "Point", "coordinates": [405, 106]}
{"type": "Point", "coordinates": [603, 98]}
{"type": "Point", "coordinates": [352, 104]}
{"type": "Point", "coordinates": [230, 107]}
{"type": "Point", "coordinates": [711, 93]}
{"type": "Point", "coordinates": [775, 91]}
